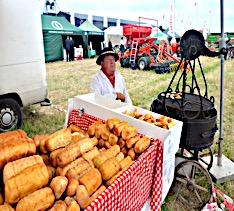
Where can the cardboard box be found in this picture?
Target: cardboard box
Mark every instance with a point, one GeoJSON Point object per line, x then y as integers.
{"type": "Point", "coordinates": [105, 108]}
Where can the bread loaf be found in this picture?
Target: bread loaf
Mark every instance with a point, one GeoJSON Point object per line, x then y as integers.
{"type": "Point", "coordinates": [41, 199]}
{"type": "Point", "coordinates": [105, 155]}
{"type": "Point", "coordinates": [6, 207]}
{"type": "Point", "coordinates": [126, 162]}
{"type": "Point", "coordinates": [91, 154]}
{"type": "Point", "coordinates": [59, 185]}
{"type": "Point", "coordinates": [113, 139]}
{"type": "Point", "coordinates": [109, 168]}
{"type": "Point", "coordinates": [71, 165]}
{"type": "Point", "coordinates": [59, 206]}
{"type": "Point", "coordinates": [13, 168]}
{"type": "Point", "coordinates": [111, 123]}
{"type": "Point", "coordinates": [38, 138]}
{"type": "Point", "coordinates": [82, 197]}
{"type": "Point", "coordinates": [53, 156]}
{"type": "Point", "coordinates": [10, 135]}
{"type": "Point", "coordinates": [15, 149]}
{"type": "Point", "coordinates": [74, 150]}
{"type": "Point", "coordinates": [73, 206]}
{"type": "Point", "coordinates": [119, 127]}
{"type": "Point", "coordinates": [142, 144]}
{"type": "Point", "coordinates": [76, 171]}
{"type": "Point", "coordinates": [110, 181]}
{"type": "Point", "coordinates": [91, 180]}
{"type": "Point", "coordinates": [128, 132]}
{"type": "Point", "coordinates": [58, 139]}
{"type": "Point", "coordinates": [25, 182]}
{"type": "Point", "coordinates": [72, 187]}
{"type": "Point", "coordinates": [130, 142]}
{"type": "Point", "coordinates": [97, 193]}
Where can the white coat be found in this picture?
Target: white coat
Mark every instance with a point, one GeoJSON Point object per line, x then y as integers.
{"type": "Point", "coordinates": [101, 85]}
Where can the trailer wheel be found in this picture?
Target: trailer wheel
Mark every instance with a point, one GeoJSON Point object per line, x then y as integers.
{"type": "Point", "coordinates": [142, 63]}
{"type": "Point", "coordinates": [10, 114]}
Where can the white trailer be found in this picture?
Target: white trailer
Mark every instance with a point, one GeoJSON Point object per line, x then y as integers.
{"type": "Point", "coordinates": [22, 62]}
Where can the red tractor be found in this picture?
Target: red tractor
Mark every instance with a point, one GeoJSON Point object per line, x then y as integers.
{"type": "Point", "coordinates": [142, 52]}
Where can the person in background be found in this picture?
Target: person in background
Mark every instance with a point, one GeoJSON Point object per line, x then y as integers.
{"type": "Point", "coordinates": [108, 81]}
{"type": "Point", "coordinates": [68, 48]}
{"type": "Point", "coordinates": [72, 44]}
{"type": "Point", "coordinates": [122, 46]}
{"type": "Point", "coordinates": [110, 44]}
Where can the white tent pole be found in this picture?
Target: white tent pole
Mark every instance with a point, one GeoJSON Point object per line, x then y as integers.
{"type": "Point", "coordinates": [222, 45]}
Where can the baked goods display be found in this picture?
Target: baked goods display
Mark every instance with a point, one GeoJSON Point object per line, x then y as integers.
{"type": "Point", "coordinates": [66, 170]}
{"type": "Point", "coordinates": [162, 121]}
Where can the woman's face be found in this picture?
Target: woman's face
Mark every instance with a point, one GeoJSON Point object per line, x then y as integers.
{"type": "Point", "coordinates": [108, 65]}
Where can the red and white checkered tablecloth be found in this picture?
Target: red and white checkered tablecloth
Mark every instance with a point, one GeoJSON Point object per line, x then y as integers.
{"type": "Point", "coordinates": [143, 179]}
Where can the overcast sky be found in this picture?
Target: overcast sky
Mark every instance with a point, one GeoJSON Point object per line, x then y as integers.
{"type": "Point", "coordinates": [197, 14]}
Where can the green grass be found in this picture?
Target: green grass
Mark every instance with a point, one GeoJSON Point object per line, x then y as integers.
{"type": "Point", "coordinates": [66, 80]}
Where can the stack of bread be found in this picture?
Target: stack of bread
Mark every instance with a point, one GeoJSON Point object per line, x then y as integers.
{"type": "Point", "coordinates": [68, 169]}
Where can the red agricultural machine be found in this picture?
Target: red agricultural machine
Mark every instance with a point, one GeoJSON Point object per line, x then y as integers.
{"type": "Point", "coordinates": [143, 52]}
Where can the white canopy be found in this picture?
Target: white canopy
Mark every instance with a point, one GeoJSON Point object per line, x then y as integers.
{"type": "Point", "coordinates": [113, 34]}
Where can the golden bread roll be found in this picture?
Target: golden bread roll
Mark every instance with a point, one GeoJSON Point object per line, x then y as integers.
{"type": "Point", "coordinates": [107, 145]}
{"type": "Point", "coordinates": [74, 150]}
{"type": "Point", "coordinates": [43, 148]}
{"type": "Point", "coordinates": [9, 135]}
{"type": "Point", "coordinates": [70, 166]}
{"type": "Point", "coordinates": [46, 159]}
{"type": "Point", "coordinates": [15, 167]}
{"type": "Point", "coordinates": [124, 151]}
{"type": "Point", "coordinates": [113, 139]}
{"type": "Point", "coordinates": [130, 142]}
{"type": "Point", "coordinates": [51, 171]}
{"type": "Point", "coordinates": [1, 199]}
{"type": "Point", "coordinates": [58, 139]}
{"type": "Point", "coordinates": [6, 207]}
{"type": "Point", "coordinates": [131, 153]}
{"type": "Point", "coordinates": [111, 123]}
{"type": "Point", "coordinates": [142, 144]}
{"type": "Point", "coordinates": [91, 154]}
{"type": "Point", "coordinates": [74, 206]}
{"type": "Point", "coordinates": [92, 128]}
{"type": "Point", "coordinates": [87, 144]}
{"type": "Point", "coordinates": [128, 132]}
{"type": "Point", "coordinates": [101, 143]}
{"type": "Point", "coordinates": [75, 128]}
{"type": "Point", "coordinates": [121, 143]}
{"type": "Point", "coordinates": [58, 185]}
{"type": "Point", "coordinates": [120, 156]}
{"type": "Point", "coordinates": [25, 182]}
{"type": "Point", "coordinates": [68, 200]}
{"type": "Point", "coordinates": [126, 162]}
{"type": "Point", "coordinates": [97, 193]}
{"type": "Point", "coordinates": [77, 171]}
{"type": "Point", "coordinates": [82, 196]}
{"type": "Point", "coordinates": [59, 206]}
{"type": "Point", "coordinates": [53, 156]}
{"type": "Point", "coordinates": [41, 199]}
{"type": "Point", "coordinates": [77, 136]}
{"type": "Point", "coordinates": [38, 138]}
{"type": "Point", "coordinates": [119, 128]}
{"type": "Point", "coordinates": [91, 180]}
{"type": "Point", "coordinates": [105, 155]}
{"type": "Point", "coordinates": [72, 187]}
{"type": "Point", "coordinates": [110, 181]}
{"type": "Point", "coordinates": [109, 168]}
{"type": "Point", "coordinates": [16, 149]}
{"type": "Point", "coordinates": [104, 132]}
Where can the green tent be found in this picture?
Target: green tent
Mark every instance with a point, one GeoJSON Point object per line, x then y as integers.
{"type": "Point", "coordinates": [90, 29]}
{"type": "Point", "coordinates": [53, 28]}
{"type": "Point", "coordinates": [92, 34]}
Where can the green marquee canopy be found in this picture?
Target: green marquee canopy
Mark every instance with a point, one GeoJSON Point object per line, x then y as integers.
{"type": "Point", "coordinates": [59, 25]}
{"type": "Point", "coordinates": [90, 29]}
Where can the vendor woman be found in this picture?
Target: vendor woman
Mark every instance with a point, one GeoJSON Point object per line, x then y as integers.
{"type": "Point", "coordinates": [108, 81]}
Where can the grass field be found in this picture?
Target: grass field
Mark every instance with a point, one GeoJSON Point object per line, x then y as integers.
{"type": "Point", "coordinates": [66, 80]}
